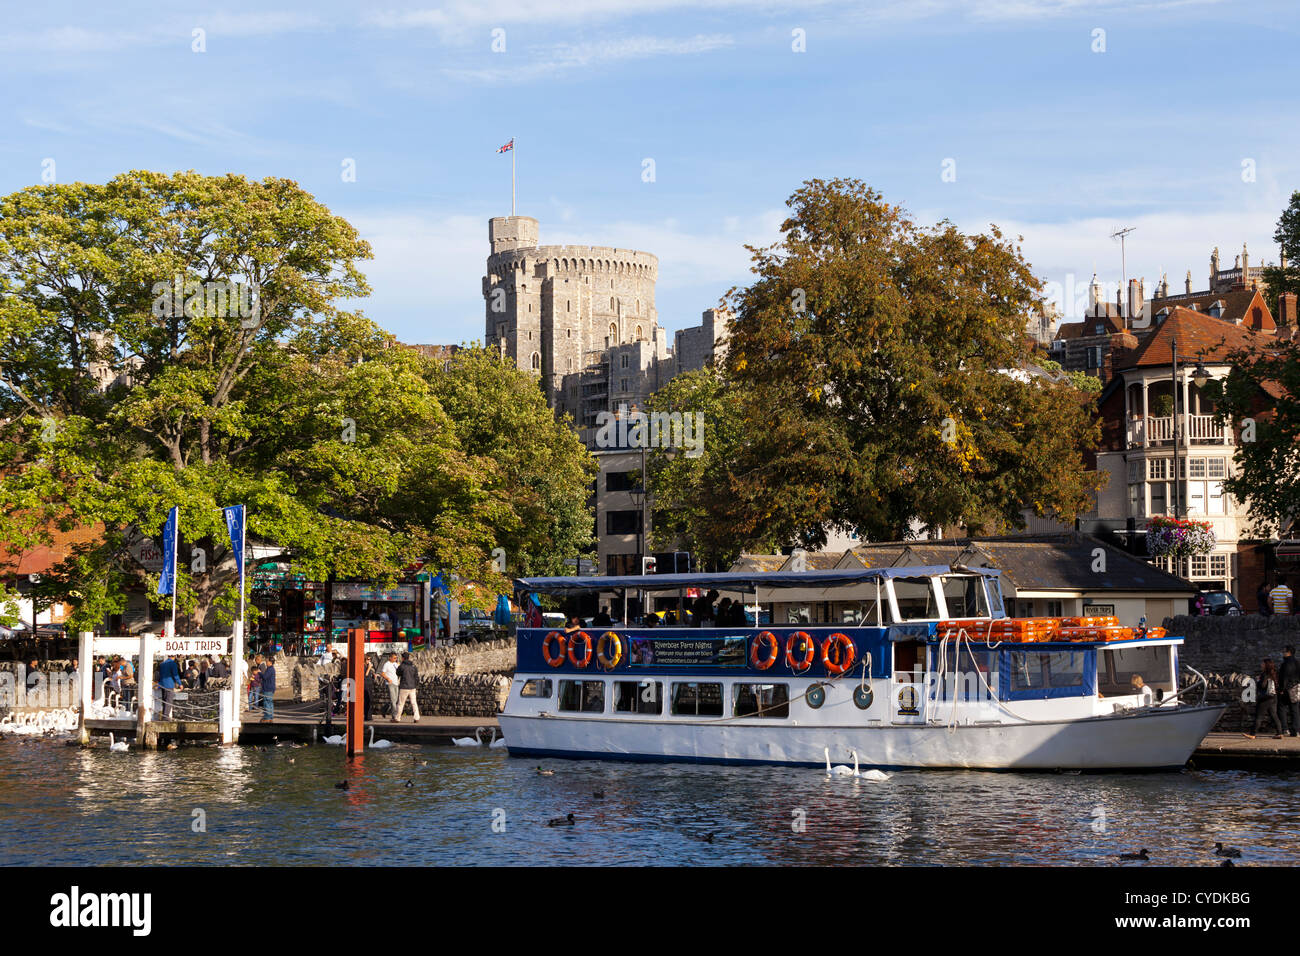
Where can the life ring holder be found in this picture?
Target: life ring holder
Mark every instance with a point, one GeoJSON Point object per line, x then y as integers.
{"type": "Point", "coordinates": [607, 660]}
{"type": "Point", "coordinates": [847, 656]}
{"type": "Point", "coordinates": [804, 638]}
{"type": "Point", "coordinates": [558, 658]}
{"type": "Point", "coordinates": [587, 646]}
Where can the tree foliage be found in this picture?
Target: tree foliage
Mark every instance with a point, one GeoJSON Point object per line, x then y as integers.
{"type": "Point", "coordinates": [1259, 396]}
{"type": "Point", "coordinates": [333, 435]}
{"type": "Point", "coordinates": [1286, 278]}
{"type": "Point", "coordinates": [872, 384]}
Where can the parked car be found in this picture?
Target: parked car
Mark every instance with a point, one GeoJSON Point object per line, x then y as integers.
{"type": "Point", "coordinates": [1221, 603]}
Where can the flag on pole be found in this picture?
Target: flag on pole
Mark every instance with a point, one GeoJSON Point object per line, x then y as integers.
{"type": "Point", "coordinates": [167, 580]}
{"type": "Point", "coordinates": [235, 525]}
{"type": "Point", "coordinates": [507, 147]}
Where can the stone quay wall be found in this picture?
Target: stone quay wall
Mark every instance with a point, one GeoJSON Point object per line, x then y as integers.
{"type": "Point", "coordinates": [458, 680]}
{"type": "Point", "coordinates": [1228, 651]}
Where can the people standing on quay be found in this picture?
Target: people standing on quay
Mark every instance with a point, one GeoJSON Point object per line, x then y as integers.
{"type": "Point", "coordinates": [1261, 598]}
{"type": "Point", "coordinates": [408, 682]}
{"type": "Point", "coordinates": [169, 679]}
{"type": "Point", "coordinates": [1266, 689]}
{"type": "Point", "coordinates": [267, 689]}
{"type": "Point", "coordinates": [1288, 678]}
{"type": "Point", "coordinates": [254, 684]}
{"type": "Point", "coordinates": [392, 680]}
{"type": "Point", "coordinates": [1279, 599]}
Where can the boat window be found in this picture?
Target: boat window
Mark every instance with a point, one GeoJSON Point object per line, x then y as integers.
{"type": "Point", "coordinates": [697, 700]}
{"type": "Point", "coordinates": [1047, 670]}
{"type": "Point", "coordinates": [586, 696]}
{"type": "Point", "coordinates": [965, 597]}
{"type": "Point", "coordinates": [860, 613]}
{"type": "Point", "coordinates": [968, 673]}
{"type": "Point", "coordinates": [1119, 665]}
{"type": "Point", "coordinates": [798, 614]}
{"type": "Point", "coordinates": [537, 687]}
{"type": "Point", "coordinates": [994, 586]}
{"type": "Point", "coordinates": [915, 598]}
{"type": "Point", "coordinates": [638, 697]}
{"type": "Point", "coordinates": [761, 700]}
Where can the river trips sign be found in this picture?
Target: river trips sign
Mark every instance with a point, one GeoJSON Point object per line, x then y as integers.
{"type": "Point", "coordinates": [686, 652]}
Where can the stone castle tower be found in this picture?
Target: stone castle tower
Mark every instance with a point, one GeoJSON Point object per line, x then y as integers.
{"type": "Point", "coordinates": [582, 318]}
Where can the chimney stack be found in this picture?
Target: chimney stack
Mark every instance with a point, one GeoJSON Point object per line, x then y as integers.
{"type": "Point", "coordinates": [1135, 298]}
{"type": "Point", "coordinates": [1286, 309]}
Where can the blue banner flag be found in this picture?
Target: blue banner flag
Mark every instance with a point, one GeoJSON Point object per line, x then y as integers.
{"type": "Point", "coordinates": [235, 525]}
{"type": "Point", "coordinates": [167, 580]}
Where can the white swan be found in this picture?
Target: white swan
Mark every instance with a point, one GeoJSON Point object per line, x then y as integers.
{"type": "Point", "coordinates": [875, 775]}
{"type": "Point", "coordinates": [377, 744]}
{"type": "Point", "coordinates": [496, 742]}
{"type": "Point", "coordinates": [335, 740]}
{"type": "Point", "coordinates": [116, 746]}
{"type": "Point", "coordinates": [840, 771]}
{"type": "Point", "coordinates": [475, 741]}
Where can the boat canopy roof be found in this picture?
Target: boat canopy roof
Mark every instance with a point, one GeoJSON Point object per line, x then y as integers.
{"type": "Point", "coordinates": [737, 580]}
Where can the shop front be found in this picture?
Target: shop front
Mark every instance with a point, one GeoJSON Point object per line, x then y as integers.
{"type": "Point", "coordinates": [393, 618]}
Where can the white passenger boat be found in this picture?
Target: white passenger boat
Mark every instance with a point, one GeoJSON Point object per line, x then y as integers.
{"type": "Point", "coordinates": [924, 671]}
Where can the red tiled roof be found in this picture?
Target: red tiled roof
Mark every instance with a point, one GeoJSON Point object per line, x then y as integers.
{"type": "Point", "coordinates": [1196, 332]}
{"type": "Point", "coordinates": [1237, 306]}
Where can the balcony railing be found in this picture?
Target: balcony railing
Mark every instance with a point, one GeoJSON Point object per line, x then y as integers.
{"type": "Point", "coordinates": [1201, 430]}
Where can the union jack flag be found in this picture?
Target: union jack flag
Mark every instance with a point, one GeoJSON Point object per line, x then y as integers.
{"type": "Point", "coordinates": [507, 147]}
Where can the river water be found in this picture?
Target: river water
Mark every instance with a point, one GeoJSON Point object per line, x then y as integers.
{"type": "Point", "coordinates": [472, 806]}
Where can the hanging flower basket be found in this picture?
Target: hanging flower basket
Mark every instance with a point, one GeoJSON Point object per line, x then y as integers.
{"type": "Point", "coordinates": [1178, 537]}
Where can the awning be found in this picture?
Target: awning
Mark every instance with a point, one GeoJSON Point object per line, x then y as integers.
{"type": "Point", "coordinates": [737, 581]}
{"type": "Point", "coordinates": [1288, 549]}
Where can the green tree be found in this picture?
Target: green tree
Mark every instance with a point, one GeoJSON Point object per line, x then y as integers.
{"type": "Point", "coordinates": [688, 491]}
{"type": "Point", "coordinates": [1281, 279]}
{"type": "Point", "coordinates": [876, 372]}
{"type": "Point", "coordinates": [1259, 396]}
{"type": "Point", "coordinates": [332, 435]}
{"type": "Point", "coordinates": [498, 412]}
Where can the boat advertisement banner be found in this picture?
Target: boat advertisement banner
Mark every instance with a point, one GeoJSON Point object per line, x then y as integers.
{"type": "Point", "coordinates": [725, 651]}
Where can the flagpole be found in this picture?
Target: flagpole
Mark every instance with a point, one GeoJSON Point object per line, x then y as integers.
{"type": "Point", "coordinates": [243, 559]}
{"type": "Point", "coordinates": [514, 148]}
{"type": "Point", "coordinates": [176, 533]}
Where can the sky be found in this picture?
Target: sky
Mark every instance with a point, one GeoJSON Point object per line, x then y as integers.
{"type": "Point", "coordinates": [1059, 121]}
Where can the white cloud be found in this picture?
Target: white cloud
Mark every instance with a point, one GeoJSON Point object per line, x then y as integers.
{"type": "Point", "coordinates": [568, 56]}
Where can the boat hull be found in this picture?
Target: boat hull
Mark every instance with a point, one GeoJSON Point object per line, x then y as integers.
{"type": "Point", "coordinates": [1150, 739]}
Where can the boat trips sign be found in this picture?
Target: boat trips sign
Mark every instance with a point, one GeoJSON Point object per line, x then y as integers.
{"type": "Point", "coordinates": [686, 652]}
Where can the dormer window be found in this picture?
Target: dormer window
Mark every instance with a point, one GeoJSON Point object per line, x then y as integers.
{"type": "Point", "coordinates": [1101, 329]}
{"type": "Point", "coordinates": [1216, 308]}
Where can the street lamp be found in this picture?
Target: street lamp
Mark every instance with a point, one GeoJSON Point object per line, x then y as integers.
{"type": "Point", "coordinates": [1200, 375]}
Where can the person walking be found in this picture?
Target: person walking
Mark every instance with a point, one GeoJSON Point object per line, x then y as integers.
{"type": "Point", "coordinates": [390, 677]}
{"type": "Point", "coordinates": [169, 679]}
{"type": "Point", "coordinates": [367, 681]}
{"type": "Point", "coordinates": [408, 682]}
{"type": "Point", "coordinates": [267, 689]}
{"type": "Point", "coordinates": [1279, 599]}
{"type": "Point", "coordinates": [1266, 705]}
{"type": "Point", "coordinates": [1288, 678]}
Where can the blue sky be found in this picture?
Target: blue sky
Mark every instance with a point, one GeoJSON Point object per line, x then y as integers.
{"type": "Point", "coordinates": [1051, 140]}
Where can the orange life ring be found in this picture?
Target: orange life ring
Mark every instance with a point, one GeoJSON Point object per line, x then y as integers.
{"type": "Point", "coordinates": [767, 637]}
{"type": "Point", "coordinates": [586, 643]}
{"type": "Point", "coordinates": [848, 653]}
{"type": "Point", "coordinates": [555, 660]}
{"type": "Point", "coordinates": [808, 643]}
{"type": "Point", "coordinates": [604, 658]}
